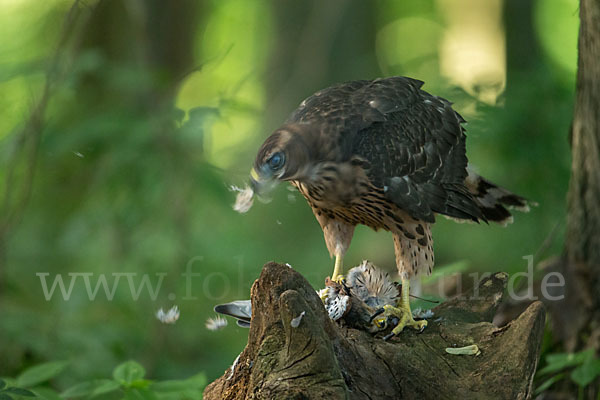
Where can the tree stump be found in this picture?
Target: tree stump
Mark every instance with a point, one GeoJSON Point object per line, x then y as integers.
{"type": "Point", "coordinates": [320, 358]}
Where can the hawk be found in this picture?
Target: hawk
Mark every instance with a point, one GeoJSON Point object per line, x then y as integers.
{"type": "Point", "coordinates": [386, 154]}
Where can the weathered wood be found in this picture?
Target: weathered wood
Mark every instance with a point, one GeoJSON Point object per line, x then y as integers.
{"type": "Point", "coordinates": [324, 359]}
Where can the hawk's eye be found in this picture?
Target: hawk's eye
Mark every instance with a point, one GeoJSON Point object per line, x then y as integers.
{"type": "Point", "coordinates": [276, 161]}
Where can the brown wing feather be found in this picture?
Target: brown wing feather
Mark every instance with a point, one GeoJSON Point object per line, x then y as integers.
{"type": "Point", "coordinates": [413, 142]}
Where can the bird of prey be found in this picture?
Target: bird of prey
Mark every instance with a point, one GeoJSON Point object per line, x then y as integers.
{"type": "Point", "coordinates": [386, 154]}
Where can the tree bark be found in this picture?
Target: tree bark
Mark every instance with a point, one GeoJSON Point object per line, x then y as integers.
{"type": "Point", "coordinates": [323, 359]}
{"type": "Point", "coordinates": [576, 319]}
{"type": "Point", "coordinates": [583, 217]}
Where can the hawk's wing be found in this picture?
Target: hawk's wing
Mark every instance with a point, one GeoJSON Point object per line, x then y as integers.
{"type": "Point", "coordinates": [413, 142]}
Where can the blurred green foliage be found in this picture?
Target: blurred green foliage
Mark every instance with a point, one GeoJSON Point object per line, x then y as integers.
{"type": "Point", "coordinates": [123, 124]}
{"type": "Point", "coordinates": [584, 367]}
{"type": "Point", "coordinates": [127, 382]}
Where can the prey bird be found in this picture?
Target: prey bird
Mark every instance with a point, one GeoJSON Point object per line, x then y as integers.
{"type": "Point", "coordinates": [360, 300]}
{"type": "Point", "coordinates": [386, 154]}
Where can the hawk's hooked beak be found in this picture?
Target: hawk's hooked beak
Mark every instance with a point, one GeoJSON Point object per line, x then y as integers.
{"type": "Point", "coordinates": [262, 182]}
{"type": "Point", "coordinates": [255, 180]}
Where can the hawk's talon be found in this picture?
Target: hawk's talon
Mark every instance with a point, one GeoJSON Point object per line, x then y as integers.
{"type": "Point", "coordinates": [378, 312]}
{"type": "Point", "coordinates": [420, 324]}
{"type": "Point", "coordinates": [388, 336]}
{"type": "Point", "coordinates": [397, 317]}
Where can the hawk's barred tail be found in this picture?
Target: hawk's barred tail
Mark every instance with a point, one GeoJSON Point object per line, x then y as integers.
{"type": "Point", "coordinates": [494, 201]}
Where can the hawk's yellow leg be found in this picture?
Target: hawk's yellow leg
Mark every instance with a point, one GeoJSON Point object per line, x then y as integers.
{"type": "Point", "coordinates": [405, 305]}
{"type": "Point", "coordinates": [402, 313]}
{"type": "Point", "coordinates": [338, 268]}
{"type": "Point", "coordinates": [338, 273]}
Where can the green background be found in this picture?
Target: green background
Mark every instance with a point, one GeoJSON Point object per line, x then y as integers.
{"type": "Point", "coordinates": [148, 113]}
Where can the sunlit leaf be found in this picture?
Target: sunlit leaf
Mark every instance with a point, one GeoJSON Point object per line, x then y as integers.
{"type": "Point", "coordinates": [559, 361]}
{"type": "Point", "coordinates": [104, 386]}
{"type": "Point", "coordinates": [129, 372]}
{"type": "Point", "coordinates": [41, 373]}
{"type": "Point", "coordinates": [140, 383]}
{"type": "Point", "coordinates": [586, 372]}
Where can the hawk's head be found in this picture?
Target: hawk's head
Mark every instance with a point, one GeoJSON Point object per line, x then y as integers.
{"type": "Point", "coordinates": [286, 155]}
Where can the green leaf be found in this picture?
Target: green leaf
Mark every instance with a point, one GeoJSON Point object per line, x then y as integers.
{"type": "Point", "coordinates": [79, 390]}
{"type": "Point", "coordinates": [2, 384]}
{"type": "Point", "coordinates": [190, 388]}
{"type": "Point", "coordinates": [5, 397]}
{"type": "Point", "coordinates": [140, 383]}
{"type": "Point", "coordinates": [559, 361]}
{"type": "Point", "coordinates": [19, 391]}
{"type": "Point", "coordinates": [105, 386]}
{"type": "Point", "coordinates": [139, 394]}
{"type": "Point", "coordinates": [45, 393]}
{"type": "Point", "coordinates": [128, 372]}
{"type": "Point", "coordinates": [196, 382]}
{"type": "Point", "coordinates": [586, 372]}
{"type": "Point", "coordinates": [546, 385]}
{"type": "Point", "coordinates": [91, 388]}
{"type": "Point", "coordinates": [40, 373]}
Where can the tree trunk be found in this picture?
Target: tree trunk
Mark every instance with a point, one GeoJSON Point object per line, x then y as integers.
{"type": "Point", "coordinates": [322, 359]}
{"type": "Point", "coordinates": [583, 218]}
{"type": "Point", "coordinates": [576, 319]}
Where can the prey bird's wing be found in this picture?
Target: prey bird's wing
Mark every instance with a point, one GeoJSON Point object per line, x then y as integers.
{"type": "Point", "coordinates": [243, 324]}
{"type": "Point", "coordinates": [239, 309]}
